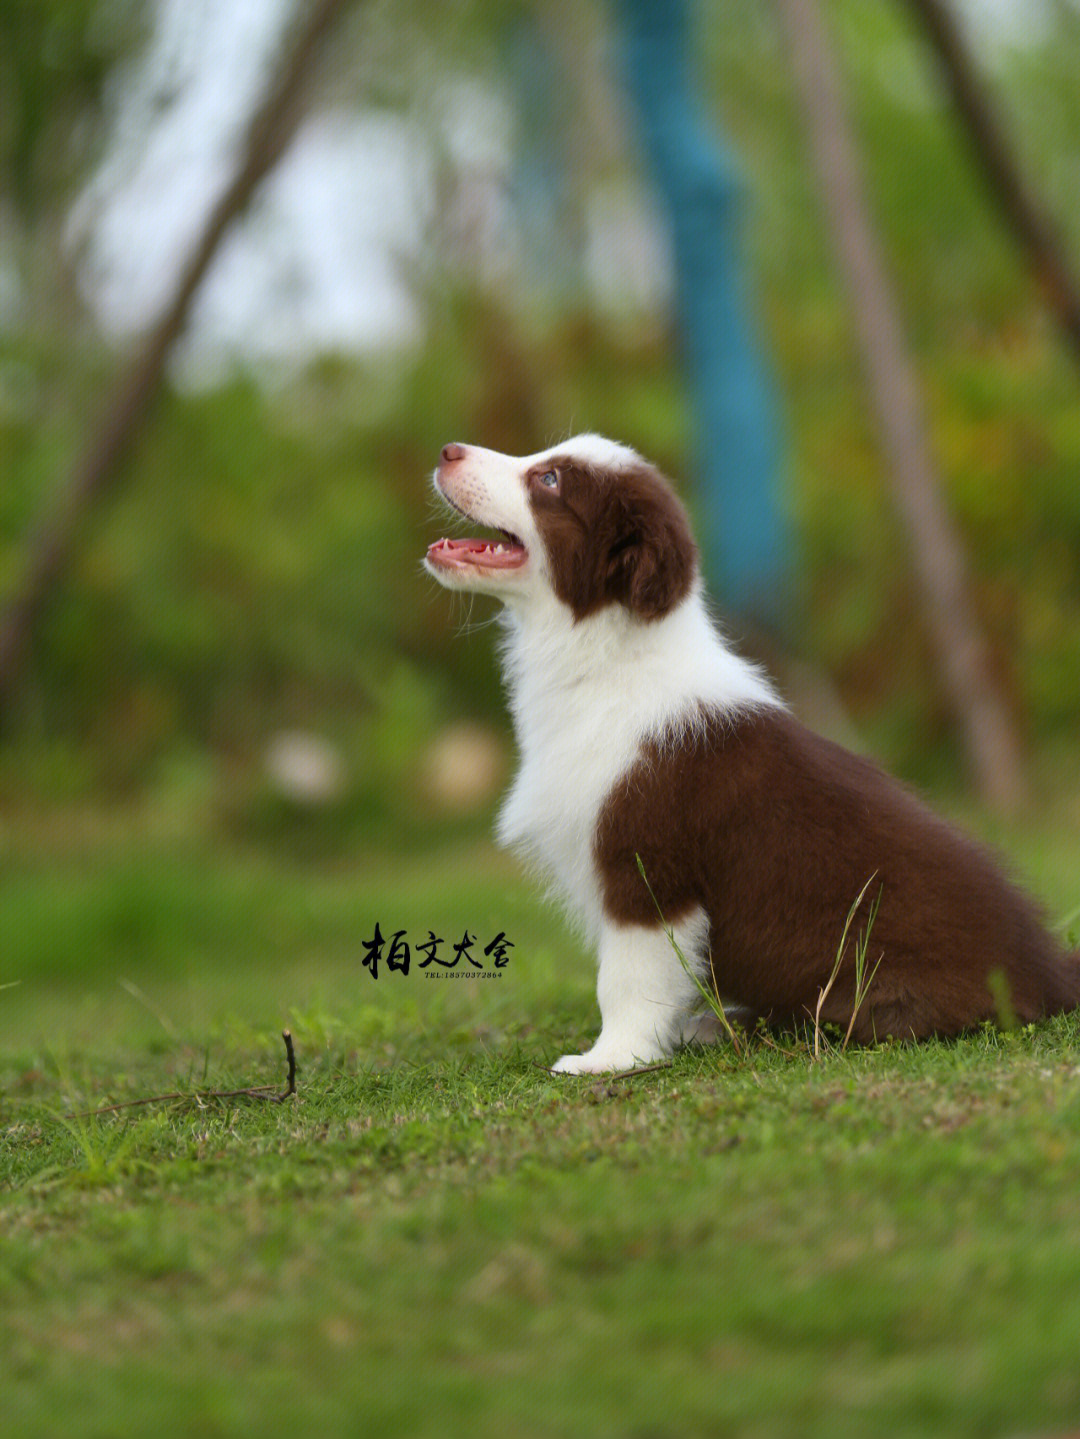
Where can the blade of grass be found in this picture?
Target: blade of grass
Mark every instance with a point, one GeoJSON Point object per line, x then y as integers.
{"type": "Point", "coordinates": [862, 980]}
{"type": "Point", "coordinates": [823, 994]}
{"type": "Point", "coordinates": [711, 998]}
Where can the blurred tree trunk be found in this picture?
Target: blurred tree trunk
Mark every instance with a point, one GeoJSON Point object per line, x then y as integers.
{"type": "Point", "coordinates": [989, 735]}
{"type": "Point", "coordinates": [96, 471]}
{"type": "Point", "coordinates": [1031, 226]}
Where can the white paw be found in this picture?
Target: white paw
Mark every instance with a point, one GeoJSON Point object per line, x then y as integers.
{"type": "Point", "coordinates": [703, 1029]}
{"type": "Point", "coordinates": [600, 1063]}
{"type": "Point", "coordinates": [576, 1064]}
{"type": "Point", "coordinates": [708, 1028]}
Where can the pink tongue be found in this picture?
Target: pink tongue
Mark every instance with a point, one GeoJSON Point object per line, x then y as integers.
{"type": "Point", "coordinates": [476, 551]}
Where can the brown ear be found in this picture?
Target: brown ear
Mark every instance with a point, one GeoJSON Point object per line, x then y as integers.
{"type": "Point", "coordinates": [651, 554]}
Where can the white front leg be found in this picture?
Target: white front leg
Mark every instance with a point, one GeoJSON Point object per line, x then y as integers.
{"type": "Point", "coordinates": [646, 996]}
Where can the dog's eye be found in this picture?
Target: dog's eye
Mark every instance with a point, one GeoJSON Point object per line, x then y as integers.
{"type": "Point", "coordinates": [550, 479]}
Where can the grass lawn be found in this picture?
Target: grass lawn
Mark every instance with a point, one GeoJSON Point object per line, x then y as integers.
{"type": "Point", "coordinates": [435, 1236]}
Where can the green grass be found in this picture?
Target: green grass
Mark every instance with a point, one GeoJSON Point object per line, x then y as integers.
{"type": "Point", "coordinates": [438, 1237]}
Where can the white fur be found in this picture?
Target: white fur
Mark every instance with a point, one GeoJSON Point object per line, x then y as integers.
{"type": "Point", "coordinates": [585, 695]}
{"type": "Point", "coordinates": [645, 994]}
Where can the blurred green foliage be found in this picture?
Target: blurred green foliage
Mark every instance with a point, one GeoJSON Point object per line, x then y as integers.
{"type": "Point", "coordinates": [56, 60]}
{"type": "Point", "coordinates": [259, 568]}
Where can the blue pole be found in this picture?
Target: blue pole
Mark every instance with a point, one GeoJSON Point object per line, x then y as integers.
{"type": "Point", "coordinates": [746, 545]}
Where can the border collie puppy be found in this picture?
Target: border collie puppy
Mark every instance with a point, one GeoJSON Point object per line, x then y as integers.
{"type": "Point", "coordinates": [642, 734]}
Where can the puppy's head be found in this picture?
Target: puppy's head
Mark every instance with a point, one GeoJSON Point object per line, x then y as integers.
{"type": "Point", "coordinates": [589, 521]}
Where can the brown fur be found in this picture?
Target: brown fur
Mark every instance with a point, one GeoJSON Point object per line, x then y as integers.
{"type": "Point", "coordinates": [619, 538]}
{"type": "Point", "coordinates": [774, 832]}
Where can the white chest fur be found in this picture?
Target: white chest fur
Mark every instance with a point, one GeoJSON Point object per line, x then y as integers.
{"type": "Point", "coordinates": [584, 696]}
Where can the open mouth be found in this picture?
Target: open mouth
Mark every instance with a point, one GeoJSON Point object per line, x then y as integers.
{"type": "Point", "coordinates": [507, 553]}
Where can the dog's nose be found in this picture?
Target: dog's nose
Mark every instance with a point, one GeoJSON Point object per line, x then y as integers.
{"type": "Point", "coordinates": [453, 452]}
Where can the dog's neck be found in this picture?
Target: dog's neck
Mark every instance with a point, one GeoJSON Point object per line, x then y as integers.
{"type": "Point", "coordinates": [558, 670]}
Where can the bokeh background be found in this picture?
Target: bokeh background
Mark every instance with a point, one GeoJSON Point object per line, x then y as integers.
{"type": "Point", "coordinates": [259, 261]}
{"type": "Point", "coordinates": [462, 239]}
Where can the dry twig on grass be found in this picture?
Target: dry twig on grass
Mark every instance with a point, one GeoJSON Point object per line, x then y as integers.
{"type": "Point", "coordinates": [255, 1091]}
